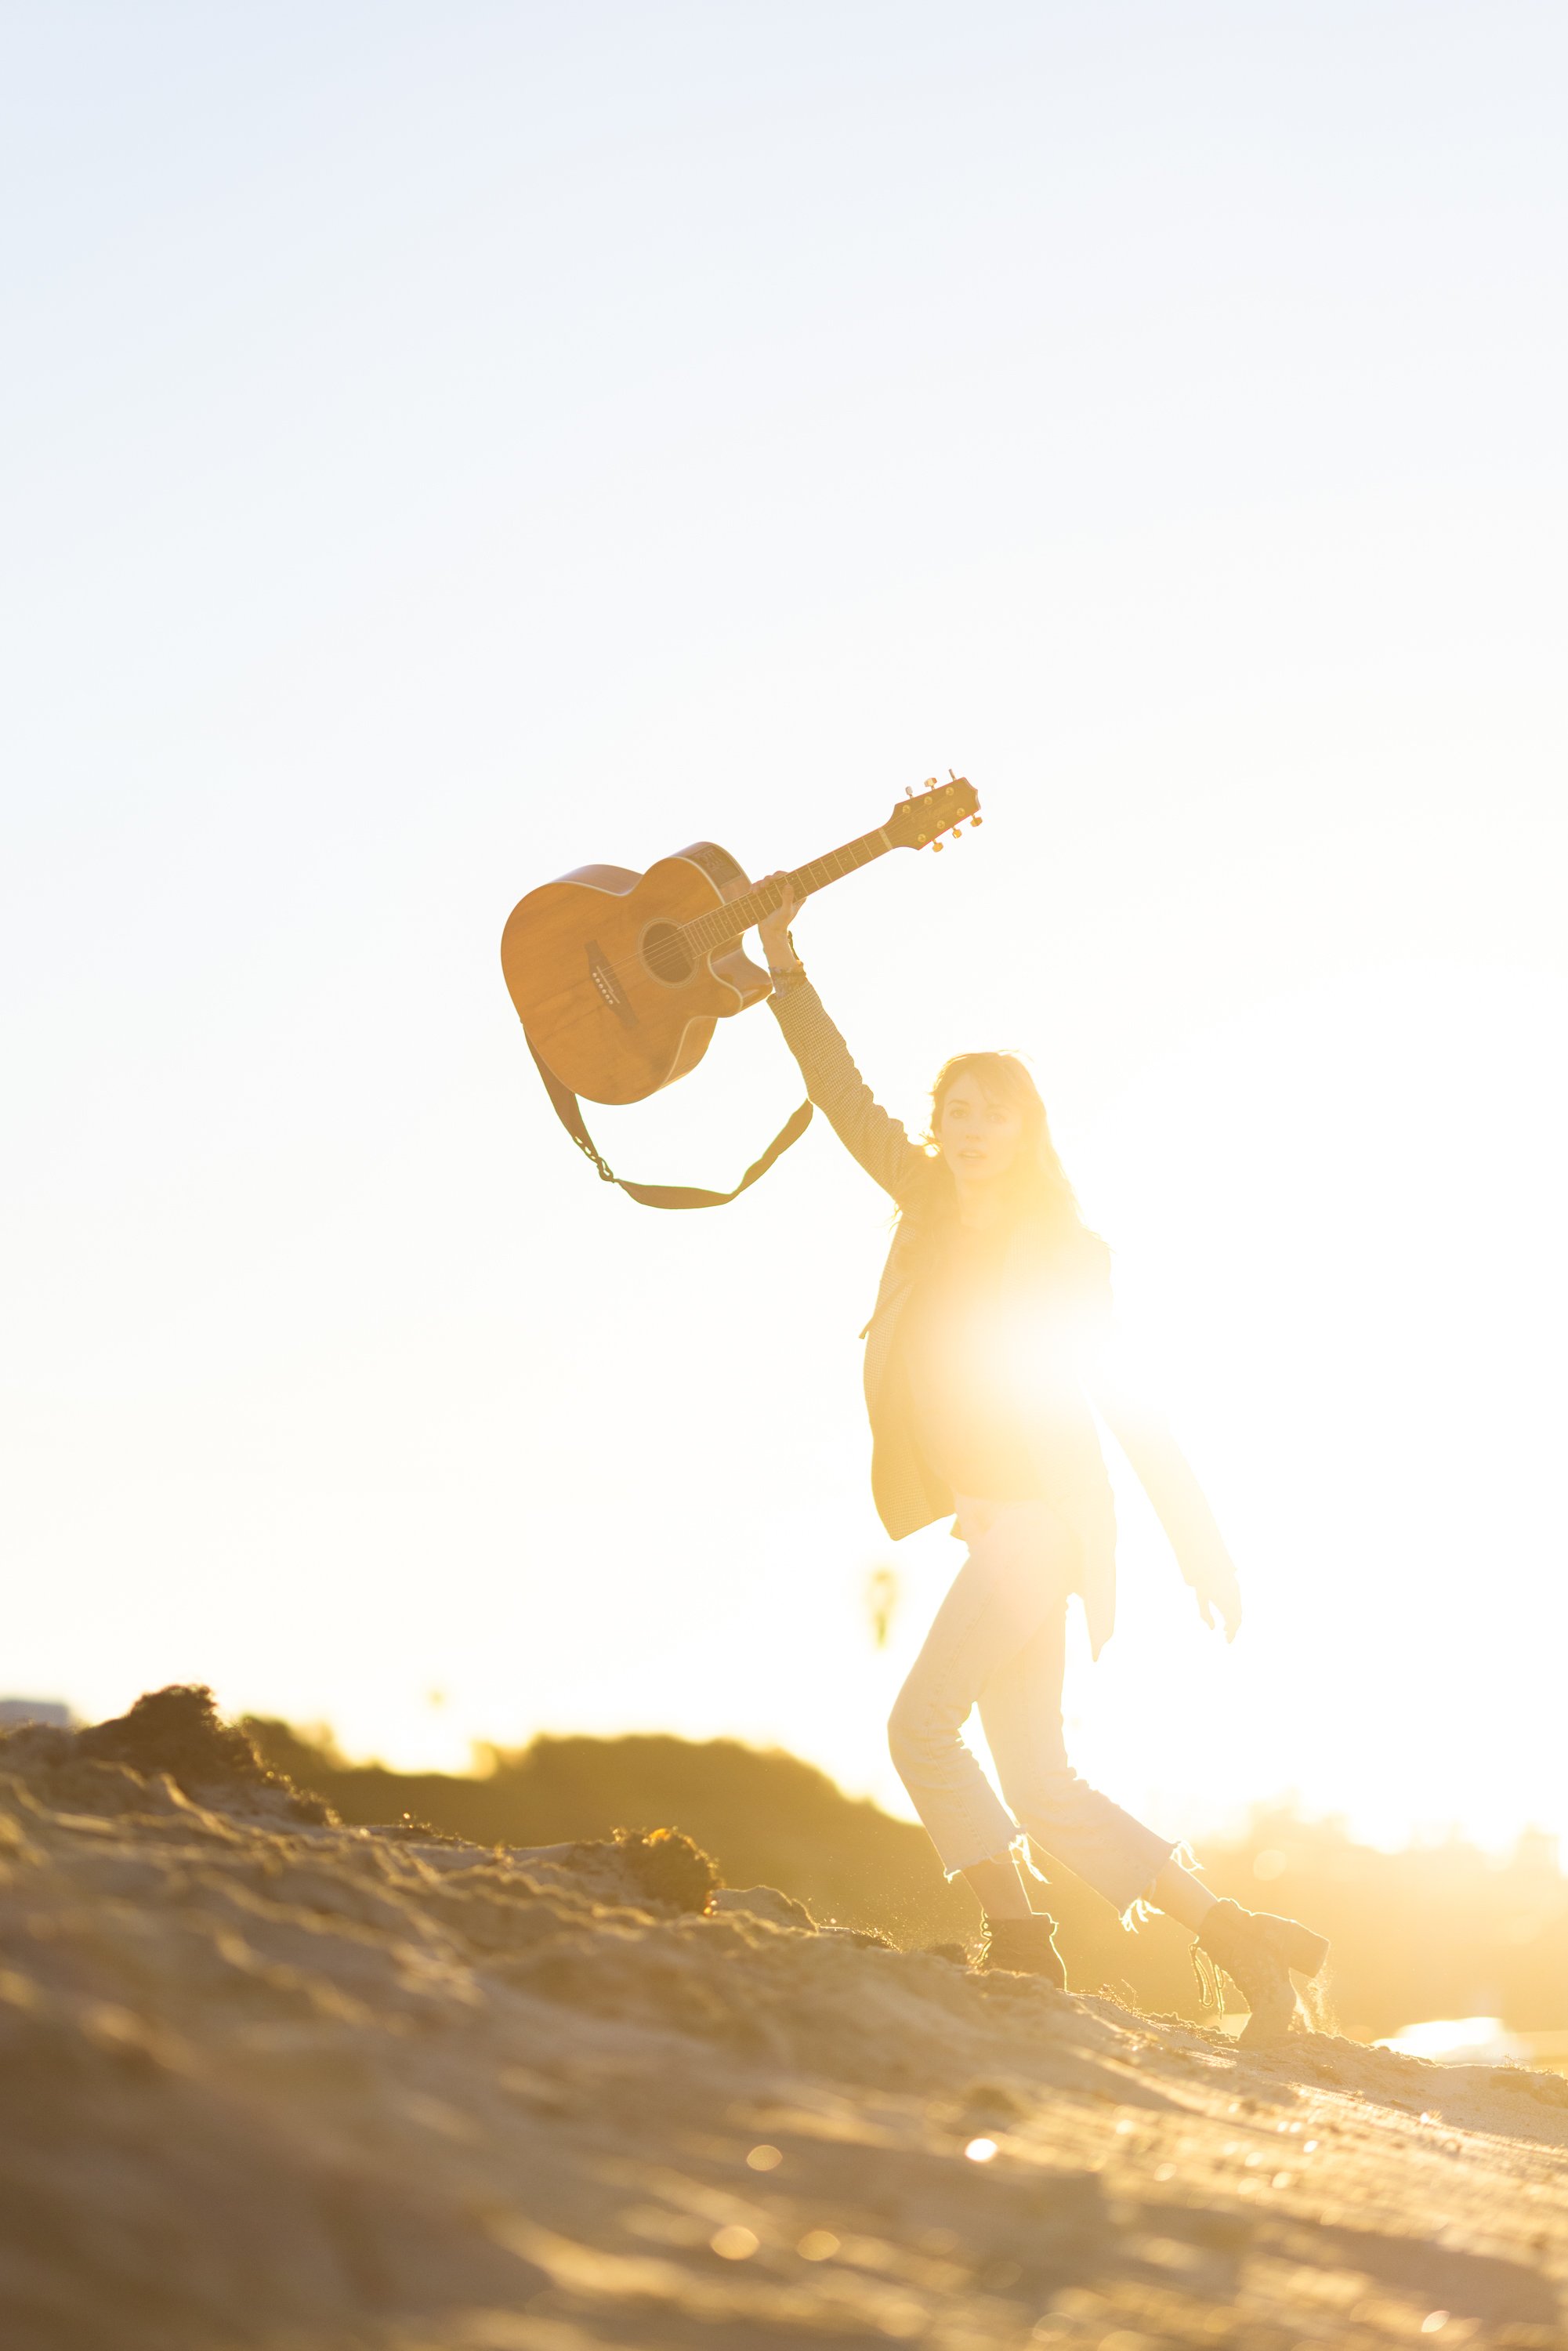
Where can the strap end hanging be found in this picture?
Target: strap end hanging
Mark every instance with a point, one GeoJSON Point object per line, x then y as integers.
{"type": "Point", "coordinates": [569, 1110]}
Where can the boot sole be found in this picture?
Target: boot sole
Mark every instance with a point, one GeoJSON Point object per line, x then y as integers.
{"type": "Point", "coordinates": [1267, 2028]}
{"type": "Point", "coordinates": [1039, 1975]}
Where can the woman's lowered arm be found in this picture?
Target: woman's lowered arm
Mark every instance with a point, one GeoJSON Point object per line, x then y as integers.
{"type": "Point", "coordinates": [878, 1140]}
{"type": "Point", "coordinates": [1166, 1477]}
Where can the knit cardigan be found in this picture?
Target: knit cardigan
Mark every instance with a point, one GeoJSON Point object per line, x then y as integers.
{"type": "Point", "coordinates": [906, 1490]}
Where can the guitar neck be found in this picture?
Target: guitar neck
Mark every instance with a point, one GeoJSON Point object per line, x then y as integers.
{"type": "Point", "coordinates": [738, 915]}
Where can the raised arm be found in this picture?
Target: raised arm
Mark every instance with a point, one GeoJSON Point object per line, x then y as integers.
{"type": "Point", "coordinates": [878, 1140]}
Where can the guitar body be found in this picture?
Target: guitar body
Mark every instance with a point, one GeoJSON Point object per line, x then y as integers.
{"type": "Point", "coordinates": [618, 977]}
{"type": "Point", "coordinates": [613, 1001]}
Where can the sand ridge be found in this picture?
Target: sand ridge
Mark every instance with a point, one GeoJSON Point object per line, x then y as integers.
{"type": "Point", "coordinates": [274, 2082]}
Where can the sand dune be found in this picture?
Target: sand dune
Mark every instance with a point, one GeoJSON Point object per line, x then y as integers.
{"type": "Point", "coordinates": [270, 2081]}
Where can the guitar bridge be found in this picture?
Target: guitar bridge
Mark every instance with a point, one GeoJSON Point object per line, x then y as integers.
{"type": "Point", "coordinates": [604, 980]}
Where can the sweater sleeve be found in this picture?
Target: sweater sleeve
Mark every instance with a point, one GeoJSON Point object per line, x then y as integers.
{"type": "Point", "coordinates": [878, 1140]}
{"type": "Point", "coordinates": [1167, 1478]}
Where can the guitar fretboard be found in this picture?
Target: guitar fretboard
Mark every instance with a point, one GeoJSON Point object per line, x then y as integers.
{"type": "Point", "coordinates": [727, 921]}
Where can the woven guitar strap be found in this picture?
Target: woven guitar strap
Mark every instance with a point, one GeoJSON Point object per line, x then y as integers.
{"type": "Point", "coordinates": [569, 1110]}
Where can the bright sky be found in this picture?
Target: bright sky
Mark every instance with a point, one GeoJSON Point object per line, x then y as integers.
{"type": "Point", "coordinates": [445, 445]}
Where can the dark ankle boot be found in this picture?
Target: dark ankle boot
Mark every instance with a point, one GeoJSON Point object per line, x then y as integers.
{"type": "Point", "coordinates": [1023, 1947]}
{"type": "Point", "coordinates": [1258, 1952]}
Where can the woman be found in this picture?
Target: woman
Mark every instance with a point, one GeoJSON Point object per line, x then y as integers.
{"type": "Point", "coordinates": [988, 1338]}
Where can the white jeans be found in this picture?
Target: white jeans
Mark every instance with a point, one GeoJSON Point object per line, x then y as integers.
{"type": "Point", "coordinates": [999, 1642]}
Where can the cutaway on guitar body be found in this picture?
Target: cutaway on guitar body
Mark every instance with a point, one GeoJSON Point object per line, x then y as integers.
{"type": "Point", "coordinates": [617, 1000]}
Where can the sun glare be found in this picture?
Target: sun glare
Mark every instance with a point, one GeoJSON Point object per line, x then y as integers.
{"type": "Point", "coordinates": [1340, 1240]}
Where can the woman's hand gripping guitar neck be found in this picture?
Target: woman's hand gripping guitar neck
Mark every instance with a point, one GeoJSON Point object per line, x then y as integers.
{"type": "Point", "coordinates": [783, 963]}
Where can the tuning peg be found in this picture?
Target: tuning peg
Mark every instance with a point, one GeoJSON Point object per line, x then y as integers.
{"type": "Point", "coordinates": [974, 820]}
{"type": "Point", "coordinates": [929, 785]}
{"type": "Point", "coordinates": [938, 846]}
{"type": "Point", "coordinates": [909, 791]}
{"type": "Point", "coordinates": [957, 832]}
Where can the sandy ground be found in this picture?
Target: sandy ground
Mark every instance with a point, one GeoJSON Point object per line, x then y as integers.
{"type": "Point", "coordinates": [271, 2082]}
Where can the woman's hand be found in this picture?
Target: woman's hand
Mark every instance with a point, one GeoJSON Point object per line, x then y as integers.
{"type": "Point", "coordinates": [774, 929]}
{"type": "Point", "coordinates": [1221, 1597]}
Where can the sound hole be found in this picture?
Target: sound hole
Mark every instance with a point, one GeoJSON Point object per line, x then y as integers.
{"type": "Point", "coordinates": [665, 954]}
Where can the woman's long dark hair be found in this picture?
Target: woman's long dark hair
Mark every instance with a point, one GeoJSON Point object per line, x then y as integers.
{"type": "Point", "coordinates": [1038, 1193]}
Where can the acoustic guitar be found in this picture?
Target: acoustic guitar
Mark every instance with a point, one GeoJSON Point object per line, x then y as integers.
{"type": "Point", "coordinates": [619, 977]}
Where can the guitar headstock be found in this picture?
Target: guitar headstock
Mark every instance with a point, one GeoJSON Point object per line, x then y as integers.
{"type": "Point", "coordinates": [921, 818]}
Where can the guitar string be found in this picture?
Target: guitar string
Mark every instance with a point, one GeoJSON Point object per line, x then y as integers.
{"type": "Point", "coordinates": [637, 964]}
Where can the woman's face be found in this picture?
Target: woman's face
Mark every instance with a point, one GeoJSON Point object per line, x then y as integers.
{"type": "Point", "coordinates": [978, 1133]}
